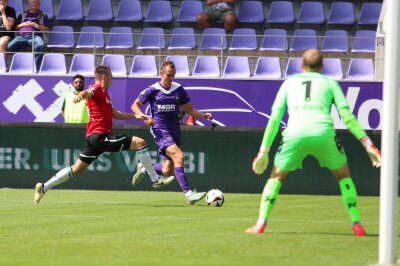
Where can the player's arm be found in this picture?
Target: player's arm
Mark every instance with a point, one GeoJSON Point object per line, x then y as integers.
{"type": "Point", "coordinates": [136, 108]}
{"type": "Point", "coordinates": [189, 108]}
{"type": "Point", "coordinates": [126, 116]}
{"type": "Point", "coordinates": [83, 95]}
{"type": "Point", "coordinates": [356, 129]}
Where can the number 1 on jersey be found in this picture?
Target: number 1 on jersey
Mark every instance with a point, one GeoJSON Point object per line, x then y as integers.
{"type": "Point", "coordinates": [308, 89]}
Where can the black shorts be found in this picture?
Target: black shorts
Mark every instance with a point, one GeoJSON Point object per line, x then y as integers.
{"type": "Point", "coordinates": [96, 144]}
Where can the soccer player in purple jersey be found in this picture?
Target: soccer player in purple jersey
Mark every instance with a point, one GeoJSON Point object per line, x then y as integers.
{"type": "Point", "coordinates": [165, 97]}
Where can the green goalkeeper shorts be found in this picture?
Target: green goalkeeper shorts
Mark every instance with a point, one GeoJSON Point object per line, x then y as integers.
{"type": "Point", "coordinates": [328, 150]}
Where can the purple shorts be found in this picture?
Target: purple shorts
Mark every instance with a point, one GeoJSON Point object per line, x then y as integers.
{"type": "Point", "coordinates": [164, 139]}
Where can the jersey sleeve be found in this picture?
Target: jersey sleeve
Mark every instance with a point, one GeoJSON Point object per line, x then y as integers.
{"type": "Point", "coordinates": [184, 99]}
{"type": "Point", "coordinates": [145, 95]}
{"type": "Point", "coordinates": [338, 96]}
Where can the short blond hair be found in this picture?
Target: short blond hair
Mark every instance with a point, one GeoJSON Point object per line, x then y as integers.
{"type": "Point", "coordinates": [313, 59]}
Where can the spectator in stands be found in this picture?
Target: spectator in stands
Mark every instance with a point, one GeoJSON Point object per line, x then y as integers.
{"type": "Point", "coordinates": [7, 20]}
{"type": "Point", "coordinates": [30, 24]}
{"type": "Point", "coordinates": [218, 10]}
{"type": "Point", "coordinates": [75, 112]}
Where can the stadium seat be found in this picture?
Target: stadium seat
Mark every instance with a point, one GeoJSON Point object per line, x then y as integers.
{"type": "Point", "coordinates": [335, 41]}
{"type": "Point", "coordinates": [152, 39]}
{"type": "Point", "coordinates": [189, 10]}
{"type": "Point", "coordinates": [361, 69]}
{"type": "Point", "coordinates": [100, 10]}
{"type": "Point", "coordinates": [274, 40]}
{"type": "Point", "coordinates": [206, 66]}
{"type": "Point", "coordinates": [268, 67]}
{"type": "Point", "coordinates": [22, 63]}
{"type": "Point", "coordinates": [129, 11]}
{"type": "Point", "coordinates": [120, 38]}
{"type": "Point", "coordinates": [91, 37]}
{"type": "Point", "coordinates": [237, 66]}
{"type": "Point", "coordinates": [116, 62]}
{"type": "Point", "coordinates": [304, 39]}
{"type": "Point", "coordinates": [144, 65]}
{"type": "Point", "coordinates": [70, 10]}
{"type": "Point", "coordinates": [293, 66]}
{"type": "Point", "coordinates": [159, 11]}
{"type": "Point", "coordinates": [244, 39]}
{"type": "Point", "coordinates": [342, 13]}
{"type": "Point", "coordinates": [251, 12]}
{"type": "Point", "coordinates": [3, 65]}
{"type": "Point", "coordinates": [213, 39]}
{"type": "Point", "coordinates": [61, 37]}
{"type": "Point", "coordinates": [181, 64]}
{"type": "Point", "coordinates": [83, 64]}
{"type": "Point", "coordinates": [364, 42]}
{"type": "Point", "coordinates": [332, 68]}
{"type": "Point", "coordinates": [370, 13]}
{"type": "Point", "coordinates": [47, 7]}
{"type": "Point", "coordinates": [18, 5]}
{"type": "Point", "coordinates": [281, 12]}
{"type": "Point", "coordinates": [182, 39]}
{"type": "Point", "coordinates": [53, 63]}
{"type": "Point", "coordinates": [311, 13]}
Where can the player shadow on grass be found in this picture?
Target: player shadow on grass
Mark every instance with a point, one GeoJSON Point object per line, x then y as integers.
{"type": "Point", "coordinates": [316, 233]}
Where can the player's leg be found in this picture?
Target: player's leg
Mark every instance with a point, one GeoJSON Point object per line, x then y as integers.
{"type": "Point", "coordinates": [178, 158]}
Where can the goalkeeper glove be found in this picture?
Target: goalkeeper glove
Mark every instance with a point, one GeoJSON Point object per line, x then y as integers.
{"type": "Point", "coordinates": [260, 162]}
{"type": "Point", "coordinates": [373, 152]}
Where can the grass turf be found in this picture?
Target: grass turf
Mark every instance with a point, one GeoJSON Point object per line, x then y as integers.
{"type": "Point", "coordinates": [71, 227]}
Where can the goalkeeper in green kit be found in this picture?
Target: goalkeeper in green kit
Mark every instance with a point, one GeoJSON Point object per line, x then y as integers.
{"type": "Point", "coordinates": [308, 98]}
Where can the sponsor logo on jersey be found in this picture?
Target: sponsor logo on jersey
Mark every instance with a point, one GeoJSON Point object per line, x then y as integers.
{"type": "Point", "coordinates": [166, 107]}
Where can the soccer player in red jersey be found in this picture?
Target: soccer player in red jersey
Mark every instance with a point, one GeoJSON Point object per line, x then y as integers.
{"type": "Point", "coordinates": [99, 136]}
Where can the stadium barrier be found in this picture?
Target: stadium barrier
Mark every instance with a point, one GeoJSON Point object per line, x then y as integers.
{"type": "Point", "coordinates": [215, 158]}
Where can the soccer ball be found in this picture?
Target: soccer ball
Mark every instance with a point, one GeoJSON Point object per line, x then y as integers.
{"type": "Point", "coordinates": [215, 198]}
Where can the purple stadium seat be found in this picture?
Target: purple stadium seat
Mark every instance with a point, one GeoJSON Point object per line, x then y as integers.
{"type": "Point", "coordinates": [91, 37]}
{"type": "Point", "coordinates": [335, 41]}
{"type": "Point", "coordinates": [342, 13]}
{"type": "Point", "coordinates": [47, 7]}
{"type": "Point", "coordinates": [181, 64]}
{"type": "Point", "coordinates": [53, 63]}
{"type": "Point", "coordinates": [159, 11]}
{"type": "Point", "coordinates": [82, 64]}
{"type": "Point", "coordinates": [182, 39]}
{"type": "Point", "coordinates": [120, 38]}
{"type": "Point", "coordinates": [22, 63]}
{"type": "Point", "coordinates": [100, 10]}
{"type": "Point", "coordinates": [152, 39]}
{"type": "Point", "coordinates": [304, 39]}
{"type": "Point", "coordinates": [116, 62]}
{"type": "Point", "coordinates": [61, 37]}
{"type": "Point", "coordinates": [370, 13]}
{"type": "Point", "coordinates": [251, 12]}
{"type": "Point", "coordinates": [311, 13]}
{"type": "Point", "coordinates": [18, 5]}
{"type": "Point", "coordinates": [364, 42]}
{"type": "Point", "coordinates": [274, 40]}
{"type": "Point", "coordinates": [70, 10]}
{"type": "Point", "coordinates": [333, 68]}
{"type": "Point", "coordinates": [361, 69]}
{"type": "Point", "coordinates": [237, 66]}
{"type": "Point", "coordinates": [213, 39]}
{"type": "Point", "coordinates": [244, 39]}
{"type": "Point", "coordinates": [3, 65]}
{"type": "Point", "coordinates": [281, 12]}
{"type": "Point", "coordinates": [189, 10]}
{"type": "Point", "coordinates": [268, 67]}
{"type": "Point", "coordinates": [129, 11]}
{"type": "Point", "coordinates": [144, 65]}
{"type": "Point", "coordinates": [206, 66]}
{"type": "Point", "coordinates": [293, 66]}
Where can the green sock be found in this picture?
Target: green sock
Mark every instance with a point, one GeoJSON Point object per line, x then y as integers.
{"type": "Point", "coordinates": [349, 194]}
{"type": "Point", "coordinates": [268, 198]}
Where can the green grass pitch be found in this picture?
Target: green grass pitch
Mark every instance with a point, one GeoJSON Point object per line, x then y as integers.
{"type": "Point", "coordinates": [71, 227]}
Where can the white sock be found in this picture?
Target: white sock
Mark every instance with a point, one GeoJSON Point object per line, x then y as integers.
{"type": "Point", "coordinates": [188, 193]}
{"type": "Point", "coordinates": [145, 159]}
{"type": "Point", "coordinates": [62, 176]}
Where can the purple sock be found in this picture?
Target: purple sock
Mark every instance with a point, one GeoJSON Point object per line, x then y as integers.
{"type": "Point", "coordinates": [182, 180]}
{"type": "Point", "coordinates": [158, 168]}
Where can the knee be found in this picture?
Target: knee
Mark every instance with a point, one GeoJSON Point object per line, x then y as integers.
{"type": "Point", "coordinates": [230, 19]}
{"type": "Point", "coordinates": [179, 158]}
{"type": "Point", "coordinates": [140, 143]}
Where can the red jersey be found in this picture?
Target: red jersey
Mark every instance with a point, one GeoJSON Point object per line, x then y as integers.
{"type": "Point", "coordinates": [99, 107]}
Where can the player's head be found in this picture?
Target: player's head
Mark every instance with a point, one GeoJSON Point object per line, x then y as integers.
{"type": "Point", "coordinates": [312, 60]}
{"type": "Point", "coordinates": [167, 74]}
{"type": "Point", "coordinates": [103, 76]}
{"type": "Point", "coordinates": [79, 82]}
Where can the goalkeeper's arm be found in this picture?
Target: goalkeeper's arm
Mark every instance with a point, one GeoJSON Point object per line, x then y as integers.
{"type": "Point", "coordinates": [355, 128]}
